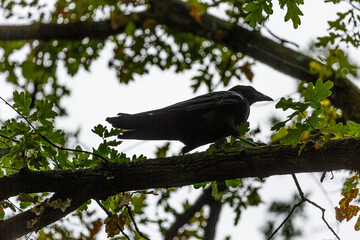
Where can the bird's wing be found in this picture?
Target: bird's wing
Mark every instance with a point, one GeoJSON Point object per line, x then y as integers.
{"type": "Point", "coordinates": [203, 103]}
{"type": "Point", "coordinates": [181, 120]}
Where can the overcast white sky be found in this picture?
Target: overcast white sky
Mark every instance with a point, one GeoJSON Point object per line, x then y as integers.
{"type": "Point", "coordinates": [97, 94]}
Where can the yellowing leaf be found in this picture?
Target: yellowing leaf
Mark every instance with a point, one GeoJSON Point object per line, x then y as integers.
{"type": "Point", "coordinates": [114, 224]}
{"type": "Point", "coordinates": [63, 205]}
{"type": "Point", "coordinates": [124, 200]}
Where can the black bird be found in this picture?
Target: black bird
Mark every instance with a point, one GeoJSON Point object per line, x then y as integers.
{"type": "Point", "coordinates": [196, 121]}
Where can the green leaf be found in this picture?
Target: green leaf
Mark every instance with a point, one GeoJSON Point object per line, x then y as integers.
{"type": "Point", "coordinates": [294, 134]}
{"type": "Point", "coordinates": [214, 188]}
{"type": "Point", "coordinates": [319, 91]}
{"type": "Point", "coordinates": [285, 104]}
{"type": "Point", "coordinates": [234, 183]}
{"type": "Point", "coordinates": [338, 129]}
{"type": "Point", "coordinates": [315, 120]}
{"type": "Point", "coordinates": [99, 130]}
{"type": "Point", "coordinates": [22, 103]}
{"type": "Point", "coordinates": [354, 129]}
{"type": "Point", "coordinates": [200, 185]}
{"type": "Point", "coordinates": [243, 128]}
{"type": "Point", "coordinates": [280, 125]}
{"type": "Point", "coordinates": [293, 11]}
{"type": "Point", "coordinates": [45, 110]}
{"type": "Point", "coordinates": [113, 132]}
{"type": "Point", "coordinates": [255, 9]}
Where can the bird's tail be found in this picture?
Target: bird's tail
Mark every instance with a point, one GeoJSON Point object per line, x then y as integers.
{"type": "Point", "coordinates": [138, 126]}
{"type": "Point", "coordinates": [124, 121]}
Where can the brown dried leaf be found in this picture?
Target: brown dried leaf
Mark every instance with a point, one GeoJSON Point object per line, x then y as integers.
{"type": "Point", "coordinates": [23, 197]}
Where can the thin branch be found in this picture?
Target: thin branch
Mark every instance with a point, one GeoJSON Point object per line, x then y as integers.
{"type": "Point", "coordinates": [47, 140]}
{"type": "Point", "coordinates": [282, 41]}
{"type": "Point", "coordinates": [303, 198]}
{"type": "Point", "coordinates": [109, 215]}
{"type": "Point", "coordinates": [135, 225]}
{"type": "Point", "coordinates": [307, 120]}
{"type": "Point", "coordinates": [301, 193]}
{"type": "Point", "coordinates": [14, 140]}
{"type": "Point", "coordinates": [287, 218]}
{"type": "Point", "coordinates": [323, 216]}
{"type": "Point", "coordinates": [19, 209]}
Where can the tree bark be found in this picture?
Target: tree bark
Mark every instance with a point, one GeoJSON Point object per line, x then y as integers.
{"type": "Point", "coordinates": [107, 179]}
{"type": "Point", "coordinates": [178, 171]}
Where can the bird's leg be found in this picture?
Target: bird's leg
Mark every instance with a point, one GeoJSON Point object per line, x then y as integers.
{"type": "Point", "coordinates": [234, 132]}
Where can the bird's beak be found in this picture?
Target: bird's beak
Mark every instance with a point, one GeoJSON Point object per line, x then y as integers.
{"type": "Point", "coordinates": [262, 97]}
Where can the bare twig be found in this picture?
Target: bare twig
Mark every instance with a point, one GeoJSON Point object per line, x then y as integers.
{"type": "Point", "coordinates": [135, 225]}
{"type": "Point", "coordinates": [109, 215]}
{"type": "Point", "coordinates": [287, 218]}
{"type": "Point", "coordinates": [47, 140]}
{"type": "Point", "coordinates": [303, 199]}
{"type": "Point", "coordinates": [282, 41]}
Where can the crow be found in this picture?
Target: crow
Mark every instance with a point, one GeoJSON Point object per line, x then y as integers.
{"type": "Point", "coordinates": [194, 122]}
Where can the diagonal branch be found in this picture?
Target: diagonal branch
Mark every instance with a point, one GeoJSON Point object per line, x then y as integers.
{"type": "Point", "coordinates": [303, 199]}
{"type": "Point", "coordinates": [175, 16]}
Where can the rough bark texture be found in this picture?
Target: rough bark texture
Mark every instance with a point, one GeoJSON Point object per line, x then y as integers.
{"type": "Point", "coordinates": [107, 179]}
{"type": "Point", "coordinates": [176, 16]}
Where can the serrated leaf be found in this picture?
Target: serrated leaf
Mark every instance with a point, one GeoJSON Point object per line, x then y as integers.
{"type": "Point", "coordinates": [354, 129]}
{"type": "Point", "coordinates": [99, 130]}
{"type": "Point", "coordinates": [285, 104]}
{"type": "Point", "coordinates": [45, 110]}
{"type": "Point", "coordinates": [200, 185]}
{"type": "Point", "coordinates": [234, 183]}
{"type": "Point", "coordinates": [319, 91]}
{"type": "Point", "coordinates": [338, 129]}
{"type": "Point", "coordinates": [22, 103]}
{"type": "Point", "coordinates": [294, 134]}
{"type": "Point", "coordinates": [293, 11]}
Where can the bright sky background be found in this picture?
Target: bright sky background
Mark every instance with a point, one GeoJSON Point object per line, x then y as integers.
{"type": "Point", "coordinates": [97, 94]}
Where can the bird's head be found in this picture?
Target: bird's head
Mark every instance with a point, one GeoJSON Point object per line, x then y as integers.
{"type": "Point", "coordinates": [250, 94]}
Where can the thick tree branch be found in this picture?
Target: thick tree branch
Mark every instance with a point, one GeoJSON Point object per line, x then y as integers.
{"type": "Point", "coordinates": [108, 179]}
{"type": "Point", "coordinates": [176, 16]}
{"type": "Point", "coordinates": [176, 171]}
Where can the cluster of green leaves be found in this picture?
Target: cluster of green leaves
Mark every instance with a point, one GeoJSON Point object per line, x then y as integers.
{"type": "Point", "coordinates": [345, 29]}
{"type": "Point", "coordinates": [312, 100]}
{"type": "Point", "coordinates": [260, 10]}
{"type": "Point", "coordinates": [22, 146]}
{"type": "Point", "coordinates": [31, 141]}
{"type": "Point", "coordinates": [256, 9]}
{"type": "Point", "coordinates": [316, 122]}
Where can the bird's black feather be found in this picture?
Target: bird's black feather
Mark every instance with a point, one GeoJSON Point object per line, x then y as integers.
{"type": "Point", "coordinates": [194, 122]}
